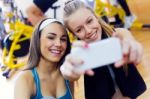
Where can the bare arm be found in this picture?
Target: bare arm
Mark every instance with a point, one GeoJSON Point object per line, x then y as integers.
{"type": "Point", "coordinates": [22, 88]}
{"type": "Point", "coordinates": [124, 33]}
{"type": "Point", "coordinates": [131, 48]}
{"type": "Point", "coordinates": [34, 14]}
{"type": "Point", "coordinates": [68, 67]}
{"type": "Point", "coordinates": [72, 88]}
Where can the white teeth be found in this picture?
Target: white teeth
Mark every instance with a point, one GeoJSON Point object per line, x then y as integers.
{"type": "Point", "coordinates": [94, 34]}
{"type": "Point", "coordinates": [55, 51]}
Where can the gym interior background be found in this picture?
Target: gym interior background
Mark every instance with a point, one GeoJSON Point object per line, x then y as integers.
{"type": "Point", "coordinates": [140, 8]}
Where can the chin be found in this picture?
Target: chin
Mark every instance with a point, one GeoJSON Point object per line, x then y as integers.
{"type": "Point", "coordinates": [56, 60]}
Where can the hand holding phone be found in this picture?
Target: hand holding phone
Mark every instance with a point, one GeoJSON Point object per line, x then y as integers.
{"type": "Point", "coordinates": [98, 54]}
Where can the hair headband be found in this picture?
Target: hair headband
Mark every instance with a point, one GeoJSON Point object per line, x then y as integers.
{"type": "Point", "coordinates": [47, 22]}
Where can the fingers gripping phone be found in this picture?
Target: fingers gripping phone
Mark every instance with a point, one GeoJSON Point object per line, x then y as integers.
{"type": "Point", "coordinates": [98, 54]}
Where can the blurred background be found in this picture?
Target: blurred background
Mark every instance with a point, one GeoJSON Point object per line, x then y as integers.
{"type": "Point", "coordinates": [16, 27]}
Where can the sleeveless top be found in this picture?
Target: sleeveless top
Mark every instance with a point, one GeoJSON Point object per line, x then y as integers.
{"type": "Point", "coordinates": [38, 95]}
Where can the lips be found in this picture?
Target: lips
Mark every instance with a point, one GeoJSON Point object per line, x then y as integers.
{"type": "Point", "coordinates": [92, 36]}
{"type": "Point", "coordinates": [55, 51]}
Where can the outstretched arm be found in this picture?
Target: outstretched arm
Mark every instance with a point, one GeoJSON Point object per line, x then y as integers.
{"type": "Point", "coordinates": [131, 48]}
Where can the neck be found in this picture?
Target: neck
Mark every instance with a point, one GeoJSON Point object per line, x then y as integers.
{"type": "Point", "coordinates": [45, 67]}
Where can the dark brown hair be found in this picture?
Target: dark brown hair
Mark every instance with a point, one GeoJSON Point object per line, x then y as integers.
{"type": "Point", "coordinates": [34, 50]}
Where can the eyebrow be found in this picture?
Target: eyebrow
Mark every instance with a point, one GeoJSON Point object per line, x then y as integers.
{"type": "Point", "coordinates": [51, 33]}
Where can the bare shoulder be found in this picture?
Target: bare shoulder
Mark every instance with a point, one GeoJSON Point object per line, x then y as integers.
{"type": "Point", "coordinates": [24, 85]}
{"type": "Point", "coordinates": [24, 80]}
{"type": "Point", "coordinates": [25, 76]}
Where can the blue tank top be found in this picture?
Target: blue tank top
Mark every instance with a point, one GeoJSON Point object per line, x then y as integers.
{"type": "Point", "coordinates": [38, 95]}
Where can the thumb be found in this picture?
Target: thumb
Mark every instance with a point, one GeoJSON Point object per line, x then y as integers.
{"type": "Point", "coordinates": [80, 43]}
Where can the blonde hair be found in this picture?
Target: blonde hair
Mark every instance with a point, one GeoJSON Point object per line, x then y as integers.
{"type": "Point", "coordinates": [74, 5]}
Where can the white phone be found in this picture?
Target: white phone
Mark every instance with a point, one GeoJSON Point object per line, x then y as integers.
{"type": "Point", "coordinates": [98, 54]}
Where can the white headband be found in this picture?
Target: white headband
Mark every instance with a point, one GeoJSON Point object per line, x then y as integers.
{"type": "Point", "coordinates": [47, 22]}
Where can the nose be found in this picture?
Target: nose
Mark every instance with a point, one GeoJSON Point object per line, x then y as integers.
{"type": "Point", "coordinates": [58, 42]}
{"type": "Point", "coordinates": [87, 29]}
